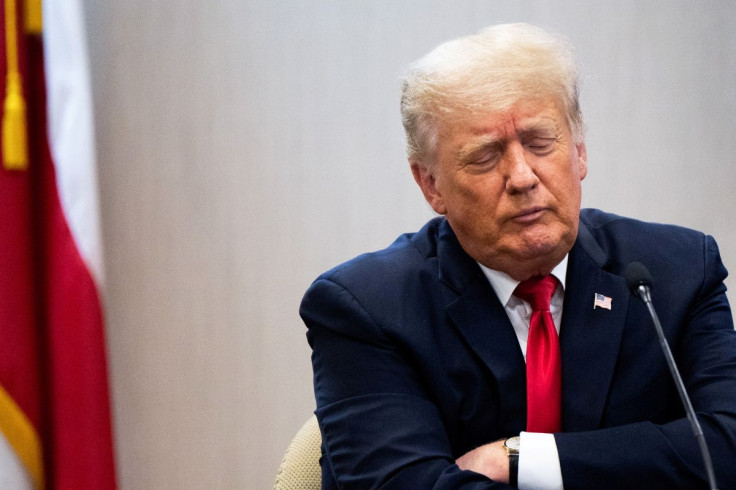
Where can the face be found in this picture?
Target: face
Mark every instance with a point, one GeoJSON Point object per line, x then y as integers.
{"type": "Point", "coordinates": [510, 186]}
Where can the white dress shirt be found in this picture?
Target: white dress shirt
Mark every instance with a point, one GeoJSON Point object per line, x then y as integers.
{"type": "Point", "coordinates": [539, 463]}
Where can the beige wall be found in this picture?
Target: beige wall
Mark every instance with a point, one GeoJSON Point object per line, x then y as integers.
{"type": "Point", "coordinates": [247, 145]}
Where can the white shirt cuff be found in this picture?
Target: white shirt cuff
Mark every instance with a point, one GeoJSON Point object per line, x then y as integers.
{"type": "Point", "coordinates": [539, 463]}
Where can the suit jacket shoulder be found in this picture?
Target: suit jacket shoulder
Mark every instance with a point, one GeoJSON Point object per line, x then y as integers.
{"type": "Point", "coordinates": [677, 257]}
{"type": "Point", "coordinates": [428, 266]}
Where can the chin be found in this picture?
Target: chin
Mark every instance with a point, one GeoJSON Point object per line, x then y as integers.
{"type": "Point", "coordinates": [543, 248]}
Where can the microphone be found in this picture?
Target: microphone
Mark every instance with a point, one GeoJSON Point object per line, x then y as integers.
{"type": "Point", "coordinates": [640, 283]}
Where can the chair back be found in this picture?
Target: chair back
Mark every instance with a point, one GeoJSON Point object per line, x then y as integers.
{"type": "Point", "coordinates": [300, 468]}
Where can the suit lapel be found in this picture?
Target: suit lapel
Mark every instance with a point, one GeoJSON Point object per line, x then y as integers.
{"type": "Point", "coordinates": [590, 337]}
{"type": "Point", "coordinates": [480, 318]}
{"type": "Point", "coordinates": [482, 321]}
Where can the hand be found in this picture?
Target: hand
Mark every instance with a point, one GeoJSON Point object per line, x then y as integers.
{"type": "Point", "coordinates": [490, 460]}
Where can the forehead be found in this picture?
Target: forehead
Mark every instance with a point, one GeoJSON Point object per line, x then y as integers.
{"type": "Point", "coordinates": [523, 117]}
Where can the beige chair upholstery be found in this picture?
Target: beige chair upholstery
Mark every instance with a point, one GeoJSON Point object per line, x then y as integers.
{"type": "Point", "coordinates": [299, 469]}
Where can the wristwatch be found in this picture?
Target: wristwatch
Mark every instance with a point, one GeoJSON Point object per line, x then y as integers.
{"type": "Point", "coordinates": [511, 445]}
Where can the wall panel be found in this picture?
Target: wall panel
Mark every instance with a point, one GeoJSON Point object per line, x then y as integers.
{"type": "Point", "coordinates": [246, 146]}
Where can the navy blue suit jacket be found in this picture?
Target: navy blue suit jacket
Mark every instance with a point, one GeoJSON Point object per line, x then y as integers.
{"type": "Point", "coordinates": [415, 363]}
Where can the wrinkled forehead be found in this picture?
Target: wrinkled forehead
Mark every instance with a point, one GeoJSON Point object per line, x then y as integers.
{"type": "Point", "coordinates": [505, 120]}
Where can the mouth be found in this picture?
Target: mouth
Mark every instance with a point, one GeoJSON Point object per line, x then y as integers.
{"type": "Point", "coordinates": [528, 215]}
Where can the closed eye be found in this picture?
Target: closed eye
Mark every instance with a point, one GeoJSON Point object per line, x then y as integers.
{"type": "Point", "coordinates": [485, 157]}
{"type": "Point", "coordinates": [482, 157]}
{"type": "Point", "coordinates": [482, 160]}
{"type": "Point", "coordinates": [541, 146]}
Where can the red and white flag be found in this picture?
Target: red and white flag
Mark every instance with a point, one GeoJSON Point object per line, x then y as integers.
{"type": "Point", "coordinates": [55, 429]}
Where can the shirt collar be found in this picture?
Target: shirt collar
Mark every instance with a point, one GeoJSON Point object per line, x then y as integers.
{"type": "Point", "coordinates": [504, 285]}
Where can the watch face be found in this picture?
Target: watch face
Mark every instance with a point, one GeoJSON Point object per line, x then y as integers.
{"type": "Point", "coordinates": [512, 444]}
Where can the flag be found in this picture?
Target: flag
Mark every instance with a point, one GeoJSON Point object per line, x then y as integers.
{"type": "Point", "coordinates": [55, 429]}
{"type": "Point", "coordinates": [601, 301]}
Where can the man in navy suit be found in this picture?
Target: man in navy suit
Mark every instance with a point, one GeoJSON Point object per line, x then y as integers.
{"type": "Point", "coordinates": [421, 350]}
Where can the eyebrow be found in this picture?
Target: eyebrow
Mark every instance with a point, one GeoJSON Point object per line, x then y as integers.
{"type": "Point", "coordinates": [539, 127]}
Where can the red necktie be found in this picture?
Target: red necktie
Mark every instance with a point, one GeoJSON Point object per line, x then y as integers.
{"type": "Point", "coordinates": [543, 365]}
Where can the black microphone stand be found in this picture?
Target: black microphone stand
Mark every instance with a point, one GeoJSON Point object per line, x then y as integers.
{"type": "Point", "coordinates": [643, 292]}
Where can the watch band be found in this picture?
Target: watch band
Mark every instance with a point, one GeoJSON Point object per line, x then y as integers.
{"type": "Point", "coordinates": [511, 445]}
{"type": "Point", "coordinates": [514, 470]}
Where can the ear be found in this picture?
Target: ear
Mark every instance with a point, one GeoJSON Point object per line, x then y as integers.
{"type": "Point", "coordinates": [424, 177]}
{"type": "Point", "coordinates": [582, 160]}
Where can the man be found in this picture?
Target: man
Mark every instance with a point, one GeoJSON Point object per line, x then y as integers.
{"type": "Point", "coordinates": [430, 354]}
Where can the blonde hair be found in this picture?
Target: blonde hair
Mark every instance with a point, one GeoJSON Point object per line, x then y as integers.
{"type": "Point", "coordinates": [488, 71]}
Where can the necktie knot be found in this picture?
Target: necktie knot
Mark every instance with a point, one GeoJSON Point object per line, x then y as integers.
{"type": "Point", "coordinates": [537, 291]}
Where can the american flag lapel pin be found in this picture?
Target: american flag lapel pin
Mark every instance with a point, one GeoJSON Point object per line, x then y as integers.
{"type": "Point", "coordinates": [600, 301]}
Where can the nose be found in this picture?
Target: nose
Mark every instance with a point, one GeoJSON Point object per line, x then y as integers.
{"type": "Point", "coordinates": [520, 176]}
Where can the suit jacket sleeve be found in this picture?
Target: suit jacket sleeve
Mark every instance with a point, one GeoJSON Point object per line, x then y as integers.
{"type": "Point", "coordinates": [652, 455]}
{"type": "Point", "coordinates": [379, 427]}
